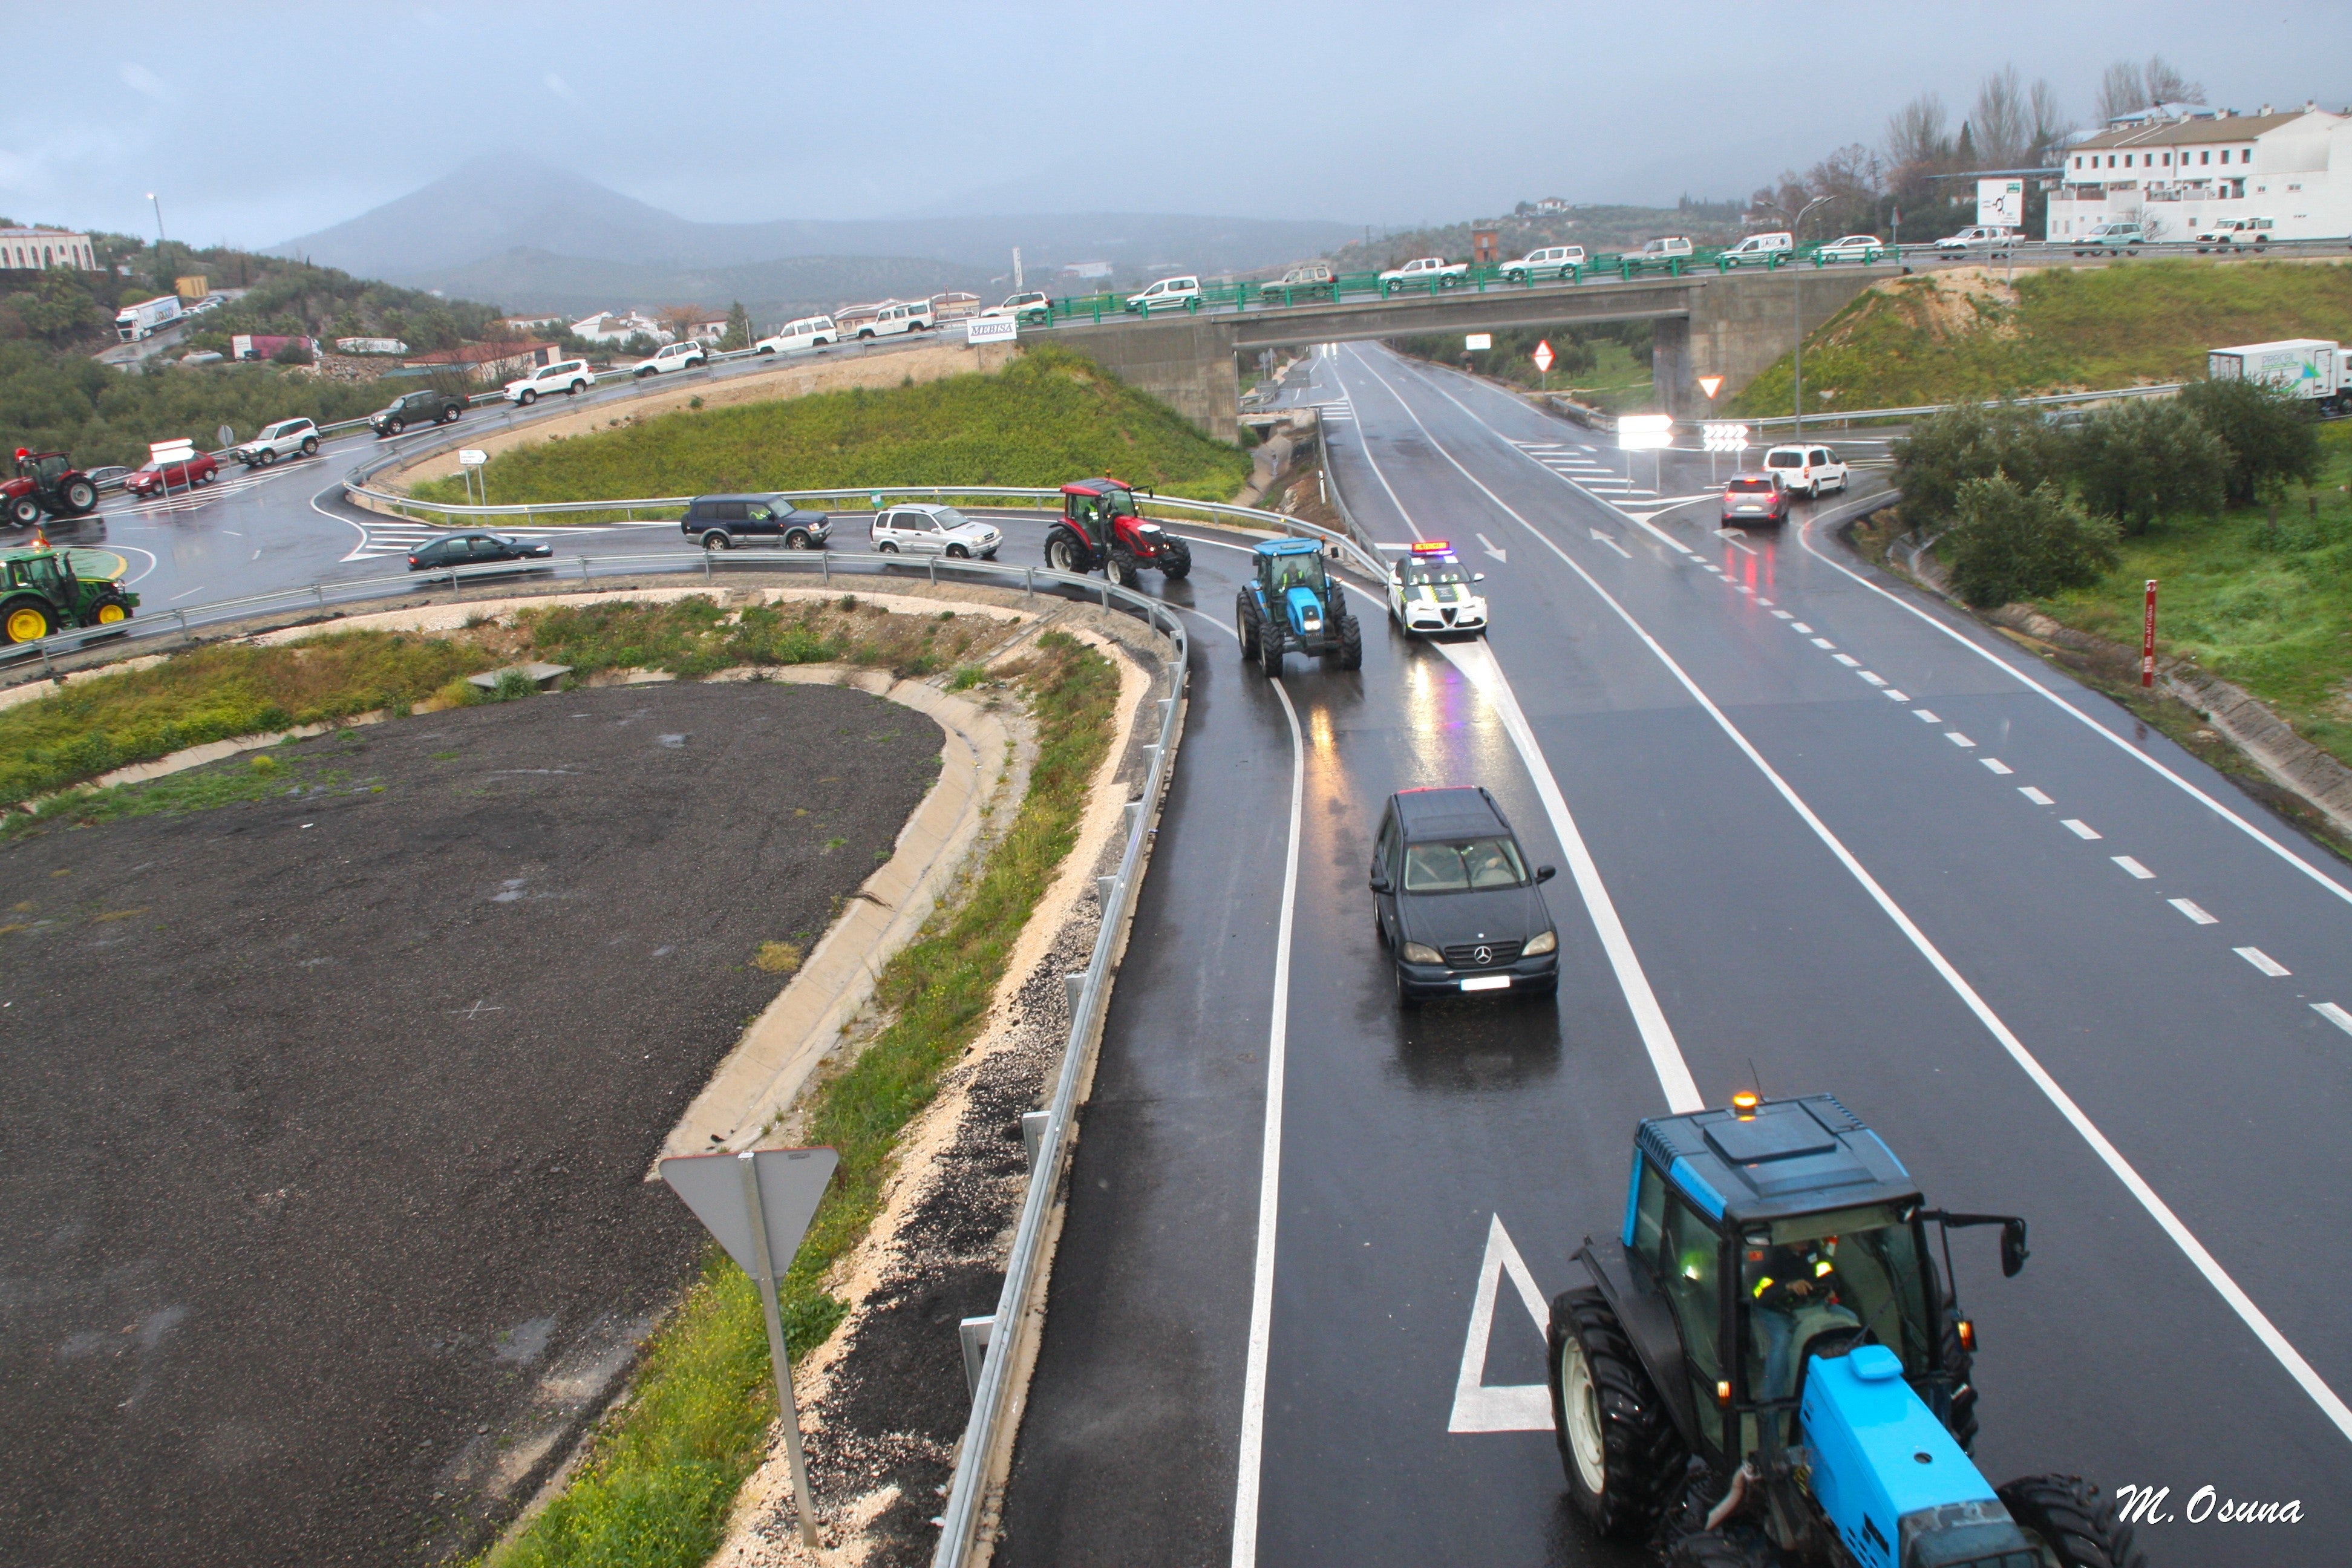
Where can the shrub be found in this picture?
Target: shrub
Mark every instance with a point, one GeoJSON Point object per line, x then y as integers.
{"type": "Point", "coordinates": [2270, 433]}
{"type": "Point", "coordinates": [2144, 460]}
{"type": "Point", "coordinates": [2008, 544]}
{"type": "Point", "coordinates": [1945, 451]}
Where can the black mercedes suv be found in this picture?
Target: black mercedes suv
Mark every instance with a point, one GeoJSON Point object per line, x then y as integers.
{"type": "Point", "coordinates": [1456, 902]}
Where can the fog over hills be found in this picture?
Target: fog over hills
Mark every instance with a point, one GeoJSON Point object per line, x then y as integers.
{"type": "Point", "coordinates": [532, 236]}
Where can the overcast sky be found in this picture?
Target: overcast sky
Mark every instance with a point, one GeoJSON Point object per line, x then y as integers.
{"type": "Point", "coordinates": [257, 124]}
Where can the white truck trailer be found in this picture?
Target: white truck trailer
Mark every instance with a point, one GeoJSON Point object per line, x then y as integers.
{"type": "Point", "coordinates": [2314, 368]}
{"type": "Point", "coordinates": [133, 323]}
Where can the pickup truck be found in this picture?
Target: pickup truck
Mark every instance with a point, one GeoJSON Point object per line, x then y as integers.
{"type": "Point", "coordinates": [1429, 270]}
{"type": "Point", "coordinates": [2230, 232]}
{"type": "Point", "coordinates": [287, 439]}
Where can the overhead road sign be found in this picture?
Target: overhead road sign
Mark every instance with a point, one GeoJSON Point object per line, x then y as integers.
{"type": "Point", "coordinates": [759, 1204]}
{"type": "Point", "coordinates": [1644, 432]}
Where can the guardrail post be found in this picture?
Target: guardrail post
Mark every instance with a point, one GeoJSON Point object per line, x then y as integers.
{"type": "Point", "coordinates": [47, 667]}
{"type": "Point", "coordinates": [584, 568]}
{"type": "Point", "coordinates": [824, 564]}
{"type": "Point", "coordinates": [1029, 588]}
{"type": "Point", "coordinates": [931, 569]}
{"type": "Point", "coordinates": [186, 636]}
{"type": "Point", "coordinates": [975, 1333]}
{"type": "Point", "coordinates": [1032, 1133]}
{"type": "Point", "coordinates": [1073, 986]}
{"type": "Point", "coordinates": [320, 590]}
{"type": "Point", "coordinates": [705, 566]}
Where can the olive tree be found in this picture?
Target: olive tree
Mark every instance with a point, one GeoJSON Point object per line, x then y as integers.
{"type": "Point", "coordinates": [1944, 451]}
{"type": "Point", "coordinates": [2145, 459]}
{"type": "Point", "coordinates": [2007, 544]}
{"type": "Point", "coordinates": [2269, 432]}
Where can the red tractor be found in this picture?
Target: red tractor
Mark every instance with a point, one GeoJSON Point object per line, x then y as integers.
{"type": "Point", "coordinates": [1101, 529]}
{"type": "Point", "coordinates": [46, 482]}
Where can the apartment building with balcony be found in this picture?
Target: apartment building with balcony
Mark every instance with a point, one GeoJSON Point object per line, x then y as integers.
{"type": "Point", "coordinates": [2176, 177]}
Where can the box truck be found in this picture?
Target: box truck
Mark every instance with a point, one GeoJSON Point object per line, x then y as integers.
{"type": "Point", "coordinates": [2303, 367]}
{"type": "Point", "coordinates": [255, 346]}
{"type": "Point", "coordinates": [133, 323]}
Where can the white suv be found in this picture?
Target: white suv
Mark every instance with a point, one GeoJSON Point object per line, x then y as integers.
{"type": "Point", "coordinates": [1806, 470]}
{"type": "Point", "coordinates": [808, 332]}
{"type": "Point", "coordinates": [569, 376]}
{"type": "Point", "coordinates": [283, 440]}
{"type": "Point", "coordinates": [927, 529]}
{"type": "Point", "coordinates": [1551, 261]}
{"type": "Point", "coordinates": [675, 356]}
{"type": "Point", "coordinates": [1428, 269]}
{"type": "Point", "coordinates": [896, 317]}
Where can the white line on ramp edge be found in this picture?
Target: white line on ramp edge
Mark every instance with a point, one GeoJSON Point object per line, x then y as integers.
{"type": "Point", "coordinates": [2330, 1403]}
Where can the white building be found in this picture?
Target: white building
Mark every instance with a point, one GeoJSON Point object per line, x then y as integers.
{"type": "Point", "coordinates": [605, 327]}
{"type": "Point", "coordinates": [2175, 177]}
{"type": "Point", "coordinates": [30, 250]}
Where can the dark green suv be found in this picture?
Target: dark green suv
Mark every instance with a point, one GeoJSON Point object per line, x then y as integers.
{"type": "Point", "coordinates": [427, 407]}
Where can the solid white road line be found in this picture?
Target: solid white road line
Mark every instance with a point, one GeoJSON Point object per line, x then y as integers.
{"type": "Point", "coordinates": [1269, 1188]}
{"type": "Point", "coordinates": [2035, 796]}
{"type": "Point", "coordinates": [2079, 828]}
{"type": "Point", "coordinates": [2137, 870]}
{"type": "Point", "coordinates": [2280, 1347]}
{"type": "Point", "coordinates": [2193, 912]}
{"type": "Point", "coordinates": [1805, 537]}
{"type": "Point", "coordinates": [2264, 962]}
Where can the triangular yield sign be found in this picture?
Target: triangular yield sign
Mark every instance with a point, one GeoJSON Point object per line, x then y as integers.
{"type": "Point", "coordinates": [1710, 384]}
{"type": "Point", "coordinates": [1510, 1408]}
{"type": "Point", "coordinates": [1543, 354]}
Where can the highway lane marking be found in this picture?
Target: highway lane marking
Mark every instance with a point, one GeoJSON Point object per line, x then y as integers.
{"type": "Point", "coordinates": [1509, 1407]}
{"type": "Point", "coordinates": [1925, 716]}
{"type": "Point", "coordinates": [1896, 696]}
{"type": "Point", "coordinates": [1956, 738]}
{"type": "Point", "coordinates": [2281, 1348]}
{"type": "Point", "coordinates": [177, 597]}
{"type": "Point", "coordinates": [1805, 537]}
{"type": "Point", "coordinates": [2334, 1015]}
{"type": "Point", "coordinates": [1261, 1329]}
{"type": "Point", "coordinates": [1872, 676]}
{"type": "Point", "coordinates": [2133, 867]}
{"type": "Point", "coordinates": [2194, 913]}
{"type": "Point", "coordinates": [2079, 828]}
{"type": "Point", "coordinates": [1601, 537]}
{"type": "Point", "coordinates": [1996, 765]}
{"type": "Point", "coordinates": [1821, 642]}
{"type": "Point", "coordinates": [1799, 628]}
{"type": "Point", "coordinates": [1847, 660]}
{"type": "Point", "coordinates": [2035, 796]}
{"type": "Point", "coordinates": [1783, 616]}
{"type": "Point", "coordinates": [2264, 962]}
{"type": "Point", "coordinates": [1650, 1019]}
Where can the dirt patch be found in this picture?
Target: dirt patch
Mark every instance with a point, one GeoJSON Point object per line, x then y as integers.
{"type": "Point", "coordinates": [328, 1114]}
{"type": "Point", "coordinates": [1959, 301]}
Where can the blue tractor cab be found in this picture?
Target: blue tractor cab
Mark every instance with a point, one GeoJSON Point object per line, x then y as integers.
{"type": "Point", "coordinates": [1768, 1365]}
{"type": "Point", "coordinates": [1291, 602]}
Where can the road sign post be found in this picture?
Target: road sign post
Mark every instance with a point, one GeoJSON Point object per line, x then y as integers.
{"type": "Point", "coordinates": [2148, 639]}
{"type": "Point", "coordinates": [758, 1205]}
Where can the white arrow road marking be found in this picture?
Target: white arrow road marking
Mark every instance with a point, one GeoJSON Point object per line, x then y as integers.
{"type": "Point", "coordinates": [1511, 1407]}
{"type": "Point", "coordinates": [1601, 537]}
{"type": "Point", "coordinates": [1491, 550]}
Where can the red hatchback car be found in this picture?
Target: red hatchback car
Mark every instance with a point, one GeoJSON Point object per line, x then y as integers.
{"type": "Point", "coordinates": [155, 477]}
{"type": "Point", "coordinates": [1755, 498]}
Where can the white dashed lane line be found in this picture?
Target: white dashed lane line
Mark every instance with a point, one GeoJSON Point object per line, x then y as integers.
{"type": "Point", "coordinates": [2262, 961]}
{"type": "Point", "coordinates": [1996, 765]}
{"type": "Point", "coordinates": [2194, 913]}
{"type": "Point", "coordinates": [2134, 868]}
{"type": "Point", "coordinates": [2079, 828]}
{"type": "Point", "coordinates": [1925, 716]}
{"type": "Point", "coordinates": [2334, 1015]}
{"type": "Point", "coordinates": [2035, 796]}
{"type": "Point", "coordinates": [1956, 738]}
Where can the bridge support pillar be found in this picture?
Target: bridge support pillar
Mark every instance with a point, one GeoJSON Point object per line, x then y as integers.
{"type": "Point", "coordinates": [1187, 365]}
{"type": "Point", "coordinates": [1739, 326]}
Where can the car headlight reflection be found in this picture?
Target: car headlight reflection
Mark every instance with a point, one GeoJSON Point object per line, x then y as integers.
{"type": "Point", "coordinates": [1414, 953]}
{"type": "Point", "coordinates": [1547, 943]}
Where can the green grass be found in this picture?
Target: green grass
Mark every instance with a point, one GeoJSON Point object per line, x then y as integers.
{"type": "Point", "coordinates": [662, 1470]}
{"type": "Point", "coordinates": [1047, 417]}
{"type": "Point", "coordinates": [2269, 611]}
{"type": "Point", "coordinates": [258, 776]}
{"type": "Point", "coordinates": [2066, 330]}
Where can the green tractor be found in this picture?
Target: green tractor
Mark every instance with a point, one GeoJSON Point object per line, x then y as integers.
{"type": "Point", "coordinates": [41, 596]}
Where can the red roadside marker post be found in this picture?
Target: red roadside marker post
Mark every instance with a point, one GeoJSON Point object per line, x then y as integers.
{"type": "Point", "coordinates": [2148, 639]}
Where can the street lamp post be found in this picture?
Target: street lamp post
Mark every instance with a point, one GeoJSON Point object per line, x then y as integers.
{"type": "Point", "coordinates": [162, 261]}
{"type": "Point", "coordinates": [1797, 303]}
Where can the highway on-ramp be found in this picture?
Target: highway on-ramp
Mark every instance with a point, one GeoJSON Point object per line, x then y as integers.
{"type": "Point", "coordinates": [1816, 834]}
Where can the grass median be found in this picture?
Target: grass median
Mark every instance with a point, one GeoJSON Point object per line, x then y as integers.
{"type": "Point", "coordinates": [662, 1470]}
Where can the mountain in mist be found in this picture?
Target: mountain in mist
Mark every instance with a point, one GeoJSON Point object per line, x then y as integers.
{"type": "Point", "coordinates": [532, 236]}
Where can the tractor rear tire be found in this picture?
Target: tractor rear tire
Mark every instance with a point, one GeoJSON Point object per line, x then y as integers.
{"type": "Point", "coordinates": [1175, 560]}
{"type": "Point", "coordinates": [80, 496]}
{"type": "Point", "coordinates": [1713, 1548]}
{"type": "Point", "coordinates": [1622, 1456]}
{"type": "Point", "coordinates": [1351, 642]}
{"type": "Point", "coordinates": [1062, 554]}
{"type": "Point", "coordinates": [2074, 1520]}
{"type": "Point", "coordinates": [26, 621]}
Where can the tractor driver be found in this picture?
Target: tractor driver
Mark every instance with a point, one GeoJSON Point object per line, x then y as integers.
{"type": "Point", "coordinates": [1792, 1290]}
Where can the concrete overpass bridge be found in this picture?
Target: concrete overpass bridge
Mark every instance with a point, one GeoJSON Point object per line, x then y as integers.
{"type": "Point", "coordinates": [1728, 324]}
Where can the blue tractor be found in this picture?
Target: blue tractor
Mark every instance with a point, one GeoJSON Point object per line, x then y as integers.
{"type": "Point", "coordinates": [1291, 602]}
{"type": "Point", "coordinates": [1768, 1367]}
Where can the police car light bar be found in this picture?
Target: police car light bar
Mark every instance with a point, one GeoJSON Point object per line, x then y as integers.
{"type": "Point", "coordinates": [1432, 547]}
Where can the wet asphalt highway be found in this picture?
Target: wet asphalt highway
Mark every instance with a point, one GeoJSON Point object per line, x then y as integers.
{"type": "Point", "coordinates": [1853, 846]}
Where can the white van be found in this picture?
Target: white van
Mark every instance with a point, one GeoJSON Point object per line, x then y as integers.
{"type": "Point", "coordinates": [808, 332]}
{"type": "Point", "coordinates": [1167, 294]}
{"type": "Point", "coordinates": [1552, 261]}
{"type": "Point", "coordinates": [1760, 247]}
{"type": "Point", "coordinates": [1665, 247]}
{"type": "Point", "coordinates": [898, 316]}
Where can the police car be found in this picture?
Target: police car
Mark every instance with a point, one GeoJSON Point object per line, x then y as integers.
{"type": "Point", "coordinates": [1429, 591]}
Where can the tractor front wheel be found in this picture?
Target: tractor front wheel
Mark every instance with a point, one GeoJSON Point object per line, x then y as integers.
{"type": "Point", "coordinates": [1175, 559]}
{"type": "Point", "coordinates": [112, 610]}
{"type": "Point", "coordinates": [27, 622]}
{"type": "Point", "coordinates": [1270, 638]}
{"type": "Point", "coordinates": [1622, 1453]}
{"type": "Point", "coordinates": [2073, 1522]}
{"type": "Point", "coordinates": [24, 511]}
{"type": "Point", "coordinates": [1123, 571]}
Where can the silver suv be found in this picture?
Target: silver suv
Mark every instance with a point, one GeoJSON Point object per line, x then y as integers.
{"type": "Point", "coordinates": [287, 439]}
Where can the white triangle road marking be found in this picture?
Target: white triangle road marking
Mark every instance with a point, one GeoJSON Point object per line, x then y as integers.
{"type": "Point", "coordinates": [1511, 1407]}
